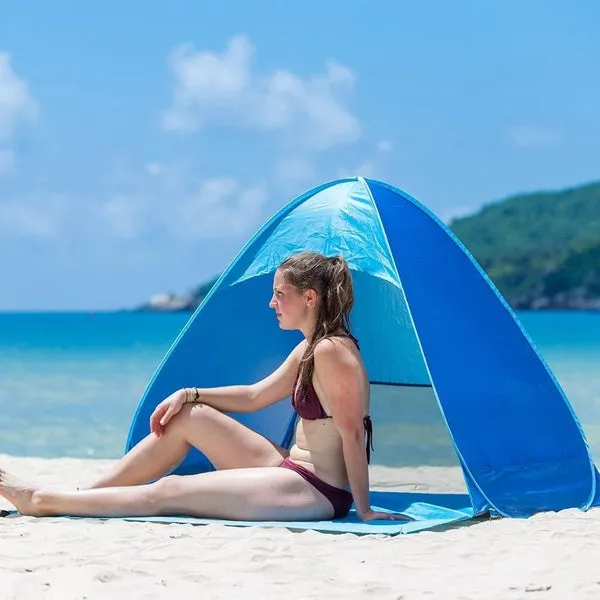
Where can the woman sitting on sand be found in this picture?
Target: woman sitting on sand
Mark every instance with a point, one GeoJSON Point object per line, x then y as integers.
{"type": "Point", "coordinates": [255, 478]}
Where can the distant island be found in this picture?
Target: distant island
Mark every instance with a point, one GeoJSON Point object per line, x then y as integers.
{"type": "Point", "coordinates": [541, 250]}
{"type": "Point", "coordinates": [169, 302]}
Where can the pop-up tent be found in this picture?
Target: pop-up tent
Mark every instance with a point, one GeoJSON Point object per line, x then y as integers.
{"type": "Point", "coordinates": [426, 314]}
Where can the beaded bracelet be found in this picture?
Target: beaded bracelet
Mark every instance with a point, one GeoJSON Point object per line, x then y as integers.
{"type": "Point", "coordinates": [187, 395]}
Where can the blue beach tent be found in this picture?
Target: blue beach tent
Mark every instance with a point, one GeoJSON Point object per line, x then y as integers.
{"type": "Point", "coordinates": [426, 315]}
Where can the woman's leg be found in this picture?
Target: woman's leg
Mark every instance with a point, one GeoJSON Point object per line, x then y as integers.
{"type": "Point", "coordinates": [227, 443]}
{"type": "Point", "coordinates": [240, 494]}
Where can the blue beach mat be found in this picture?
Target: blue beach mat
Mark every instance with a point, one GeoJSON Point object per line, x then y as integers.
{"type": "Point", "coordinates": [420, 507]}
{"type": "Point", "coordinates": [429, 511]}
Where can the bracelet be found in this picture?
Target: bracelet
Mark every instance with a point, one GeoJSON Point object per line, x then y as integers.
{"type": "Point", "coordinates": [186, 395]}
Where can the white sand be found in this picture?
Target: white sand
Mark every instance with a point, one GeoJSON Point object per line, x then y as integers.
{"type": "Point", "coordinates": [552, 555]}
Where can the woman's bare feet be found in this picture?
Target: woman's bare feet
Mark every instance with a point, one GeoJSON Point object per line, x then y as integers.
{"type": "Point", "coordinates": [18, 493]}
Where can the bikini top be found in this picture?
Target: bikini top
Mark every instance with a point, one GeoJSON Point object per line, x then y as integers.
{"type": "Point", "coordinates": [311, 409]}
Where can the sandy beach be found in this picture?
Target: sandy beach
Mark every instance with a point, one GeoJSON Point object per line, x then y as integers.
{"type": "Point", "coordinates": [552, 555]}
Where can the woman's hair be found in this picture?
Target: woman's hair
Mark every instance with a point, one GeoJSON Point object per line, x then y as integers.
{"type": "Point", "coordinates": [331, 279]}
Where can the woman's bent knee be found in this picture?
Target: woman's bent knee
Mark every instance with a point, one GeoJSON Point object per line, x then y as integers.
{"type": "Point", "coordinates": [196, 413]}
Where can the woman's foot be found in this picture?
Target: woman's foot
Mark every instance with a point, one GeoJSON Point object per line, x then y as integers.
{"type": "Point", "coordinates": [18, 493]}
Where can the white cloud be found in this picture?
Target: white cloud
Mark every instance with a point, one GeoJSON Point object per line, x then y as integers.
{"type": "Point", "coordinates": [367, 169]}
{"type": "Point", "coordinates": [174, 201]}
{"type": "Point", "coordinates": [154, 168]}
{"type": "Point", "coordinates": [373, 166]}
{"type": "Point", "coordinates": [171, 202]}
{"type": "Point", "coordinates": [222, 88]}
{"type": "Point", "coordinates": [220, 208]}
{"type": "Point", "coordinates": [125, 214]}
{"type": "Point", "coordinates": [36, 215]}
{"type": "Point", "coordinates": [295, 170]}
{"type": "Point", "coordinates": [7, 160]}
{"type": "Point", "coordinates": [16, 107]}
{"type": "Point", "coordinates": [385, 146]}
{"type": "Point", "coordinates": [528, 136]}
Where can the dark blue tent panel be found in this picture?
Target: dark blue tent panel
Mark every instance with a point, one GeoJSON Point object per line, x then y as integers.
{"type": "Point", "coordinates": [425, 314]}
{"type": "Point", "coordinates": [512, 426]}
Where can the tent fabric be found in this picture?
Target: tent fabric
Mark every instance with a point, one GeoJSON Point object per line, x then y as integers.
{"type": "Point", "coordinates": [425, 314]}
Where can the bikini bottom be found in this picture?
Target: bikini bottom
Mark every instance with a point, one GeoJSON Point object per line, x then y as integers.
{"type": "Point", "coordinates": [340, 499]}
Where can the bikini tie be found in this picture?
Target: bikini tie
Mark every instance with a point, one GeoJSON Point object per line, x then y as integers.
{"type": "Point", "coordinates": [369, 429]}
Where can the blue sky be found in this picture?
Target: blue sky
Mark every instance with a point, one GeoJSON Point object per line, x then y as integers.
{"type": "Point", "coordinates": [142, 143]}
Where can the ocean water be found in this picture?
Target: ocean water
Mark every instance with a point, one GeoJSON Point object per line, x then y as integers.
{"type": "Point", "coordinates": [70, 384]}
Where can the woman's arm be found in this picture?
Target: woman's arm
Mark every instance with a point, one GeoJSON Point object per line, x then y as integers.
{"type": "Point", "coordinates": [232, 398]}
{"type": "Point", "coordinates": [229, 398]}
{"type": "Point", "coordinates": [248, 398]}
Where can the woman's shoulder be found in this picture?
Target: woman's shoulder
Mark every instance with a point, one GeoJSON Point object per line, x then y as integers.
{"type": "Point", "coordinates": [337, 359]}
{"type": "Point", "coordinates": [335, 347]}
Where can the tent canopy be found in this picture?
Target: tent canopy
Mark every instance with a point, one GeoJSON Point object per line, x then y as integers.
{"type": "Point", "coordinates": [425, 314]}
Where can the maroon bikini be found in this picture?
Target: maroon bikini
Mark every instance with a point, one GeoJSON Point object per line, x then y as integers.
{"type": "Point", "coordinates": [311, 409]}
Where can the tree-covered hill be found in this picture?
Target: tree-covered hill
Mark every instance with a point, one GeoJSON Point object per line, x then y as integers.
{"type": "Point", "coordinates": [541, 250]}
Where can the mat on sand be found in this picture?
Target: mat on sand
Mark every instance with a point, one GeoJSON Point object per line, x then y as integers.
{"type": "Point", "coordinates": [429, 511]}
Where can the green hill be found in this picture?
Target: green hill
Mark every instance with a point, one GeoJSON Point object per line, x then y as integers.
{"type": "Point", "coordinates": [541, 250]}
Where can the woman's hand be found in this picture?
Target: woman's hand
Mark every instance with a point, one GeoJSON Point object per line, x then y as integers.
{"type": "Point", "coordinates": [167, 409]}
{"type": "Point", "coordinates": [373, 515]}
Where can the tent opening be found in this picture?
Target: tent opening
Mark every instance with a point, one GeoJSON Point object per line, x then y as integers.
{"type": "Point", "coordinates": [409, 430]}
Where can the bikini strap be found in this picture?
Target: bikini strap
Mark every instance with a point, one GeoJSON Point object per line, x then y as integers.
{"type": "Point", "coordinates": [369, 429]}
{"type": "Point", "coordinates": [349, 335]}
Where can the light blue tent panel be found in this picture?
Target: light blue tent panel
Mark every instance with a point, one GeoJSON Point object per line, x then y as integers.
{"type": "Point", "coordinates": [425, 314]}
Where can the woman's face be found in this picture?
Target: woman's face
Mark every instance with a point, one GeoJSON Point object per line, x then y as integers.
{"type": "Point", "coordinates": [291, 306]}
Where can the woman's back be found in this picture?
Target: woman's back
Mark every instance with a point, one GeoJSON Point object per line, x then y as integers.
{"type": "Point", "coordinates": [318, 443]}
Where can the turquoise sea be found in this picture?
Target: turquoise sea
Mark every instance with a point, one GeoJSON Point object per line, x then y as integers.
{"type": "Point", "coordinates": [70, 383]}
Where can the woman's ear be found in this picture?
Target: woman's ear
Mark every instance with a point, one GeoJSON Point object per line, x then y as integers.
{"type": "Point", "coordinates": [311, 297]}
